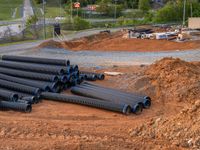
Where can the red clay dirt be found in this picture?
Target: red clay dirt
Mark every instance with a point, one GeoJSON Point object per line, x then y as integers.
{"type": "Point", "coordinates": [115, 42]}
{"type": "Point", "coordinates": [171, 123]}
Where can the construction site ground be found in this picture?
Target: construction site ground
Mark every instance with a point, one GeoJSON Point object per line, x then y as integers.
{"type": "Point", "coordinates": [173, 121]}
{"type": "Point", "coordinates": [54, 125]}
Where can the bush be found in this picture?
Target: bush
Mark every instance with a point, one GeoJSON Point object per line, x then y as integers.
{"type": "Point", "coordinates": [80, 24]}
{"type": "Point", "coordinates": [107, 8]}
{"type": "Point", "coordinates": [38, 1]}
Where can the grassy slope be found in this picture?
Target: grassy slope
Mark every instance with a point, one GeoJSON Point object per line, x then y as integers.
{"type": "Point", "coordinates": [52, 9]}
{"type": "Point", "coordinates": [7, 6]}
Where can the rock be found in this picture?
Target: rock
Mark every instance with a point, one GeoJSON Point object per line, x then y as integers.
{"type": "Point", "coordinates": [197, 142]}
{"type": "Point", "coordinates": [157, 121]}
{"type": "Point", "coordinates": [190, 142]}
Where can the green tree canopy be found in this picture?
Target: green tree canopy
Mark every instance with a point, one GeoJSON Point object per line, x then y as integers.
{"type": "Point", "coordinates": [144, 5]}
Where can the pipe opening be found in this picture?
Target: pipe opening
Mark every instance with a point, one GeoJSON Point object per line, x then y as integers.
{"type": "Point", "coordinates": [147, 104]}
{"type": "Point", "coordinates": [15, 97]}
{"type": "Point", "coordinates": [137, 109]}
{"type": "Point", "coordinates": [47, 89]}
{"type": "Point", "coordinates": [101, 76]}
{"type": "Point", "coordinates": [147, 97]}
{"type": "Point", "coordinates": [62, 71]}
{"type": "Point", "coordinates": [67, 62]}
{"type": "Point", "coordinates": [28, 109]}
{"type": "Point", "coordinates": [127, 109]}
{"type": "Point", "coordinates": [55, 79]}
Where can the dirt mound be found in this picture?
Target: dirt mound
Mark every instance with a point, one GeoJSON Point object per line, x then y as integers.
{"type": "Point", "coordinates": [171, 79]}
{"type": "Point", "coordinates": [51, 44]}
{"type": "Point", "coordinates": [182, 130]}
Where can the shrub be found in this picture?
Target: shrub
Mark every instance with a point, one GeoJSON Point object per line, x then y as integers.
{"type": "Point", "coordinates": [80, 24]}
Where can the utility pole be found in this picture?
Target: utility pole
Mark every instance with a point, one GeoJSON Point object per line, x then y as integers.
{"type": "Point", "coordinates": [191, 9]}
{"type": "Point", "coordinates": [60, 8]}
{"type": "Point", "coordinates": [184, 5]}
{"type": "Point", "coordinates": [71, 11]}
{"type": "Point", "coordinates": [115, 9]}
{"type": "Point", "coordinates": [44, 22]}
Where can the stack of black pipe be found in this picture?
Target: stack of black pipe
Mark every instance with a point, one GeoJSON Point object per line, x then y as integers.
{"type": "Point", "coordinates": [25, 78]}
{"type": "Point", "coordinates": [137, 102]}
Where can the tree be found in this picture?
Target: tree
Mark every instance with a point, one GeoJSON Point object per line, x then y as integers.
{"type": "Point", "coordinates": [31, 23]}
{"type": "Point", "coordinates": [107, 7]}
{"type": "Point", "coordinates": [173, 11]}
{"type": "Point", "coordinates": [144, 5]}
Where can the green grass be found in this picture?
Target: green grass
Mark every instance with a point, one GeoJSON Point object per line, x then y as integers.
{"type": "Point", "coordinates": [52, 9]}
{"type": "Point", "coordinates": [7, 7]}
{"type": "Point", "coordinates": [14, 43]}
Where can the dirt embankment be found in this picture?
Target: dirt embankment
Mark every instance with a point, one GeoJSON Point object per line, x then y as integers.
{"type": "Point", "coordinates": [181, 130]}
{"type": "Point", "coordinates": [173, 79]}
{"type": "Point", "coordinates": [115, 42]}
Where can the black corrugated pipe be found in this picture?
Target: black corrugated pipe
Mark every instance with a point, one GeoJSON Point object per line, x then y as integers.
{"type": "Point", "coordinates": [42, 86]}
{"type": "Point", "coordinates": [144, 102]}
{"type": "Point", "coordinates": [68, 70]}
{"type": "Point", "coordinates": [80, 80]}
{"type": "Point", "coordinates": [75, 74]}
{"type": "Point", "coordinates": [74, 67]}
{"type": "Point", "coordinates": [53, 86]}
{"type": "Point", "coordinates": [30, 99]}
{"type": "Point", "coordinates": [136, 108]}
{"type": "Point", "coordinates": [16, 106]}
{"type": "Point", "coordinates": [61, 62]}
{"type": "Point", "coordinates": [83, 76]}
{"type": "Point", "coordinates": [25, 96]}
{"type": "Point", "coordinates": [64, 78]}
{"type": "Point", "coordinates": [20, 87]}
{"type": "Point", "coordinates": [34, 67]}
{"type": "Point", "coordinates": [23, 101]}
{"type": "Point", "coordinates": [122, 108]}
{"type": "Point", "coordinates": [89, 77]}
{"type": "Point", "coordinates": [29, 75]}
{"type": "Point", "coordinates": [99, 76]}
{"type": "Point", "coordinates": [8, 96]}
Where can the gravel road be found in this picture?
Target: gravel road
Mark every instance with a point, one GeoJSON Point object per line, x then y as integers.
{"type": "Point", "coordinates": [107, 59]}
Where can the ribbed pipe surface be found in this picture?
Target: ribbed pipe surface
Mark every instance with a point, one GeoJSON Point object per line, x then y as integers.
{"type": "Point", "coordinates": [32, 83]}
{"type": "Point", "coordinates": [116, 90]}
{"type": "Point", "coordinates": [8, 96]}
{"type": "Point", "coordinates": [34, 67]}
{"type": "Point", "coordinates": [29, 75]}
{"type": "Point", "coordinates": [99, 76]}
{"type": "Point", "coordinates": [19, 87]}
{"type": "Point", "coordinates": [146, 103]}
{"type": "Point", "coordinates": [61, 62]}
{"type": "Point", "coordinates": [15, 106]}
{"type": "Point", "coordinates": [122, 108]}
{"type": "Point", "coordinates": [107, 97]}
